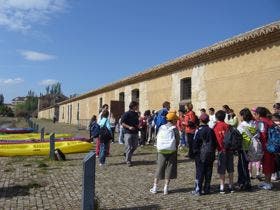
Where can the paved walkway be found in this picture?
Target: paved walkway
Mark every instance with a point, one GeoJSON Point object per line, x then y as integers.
{"type": "Point", "coordinates": [37, 183]}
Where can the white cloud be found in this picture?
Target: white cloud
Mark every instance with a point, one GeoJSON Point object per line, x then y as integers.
{"type": "Point", "coordinates": [11, 81]}
{"type": "Point", "coordinates": [36, 56]}
{"type": "Point", "coordinates": [20, 15]}
{"type": "Point", "coordinates": [47, 82]}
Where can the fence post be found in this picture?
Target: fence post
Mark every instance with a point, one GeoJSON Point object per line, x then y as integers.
{"type": "Point", "coordinates": [36, 128]}
{"type": "Point", "coordinates": [52, 146]}
{"type": "Point", "coordinates": [43, 134]}
{"type": "Point", "coordinates": [88, 191]}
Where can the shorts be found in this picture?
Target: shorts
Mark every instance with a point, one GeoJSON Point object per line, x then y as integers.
{"type": "Point", "coordinates": [225, 162]}
{"type": "Point", "coordinates": [166, 166]}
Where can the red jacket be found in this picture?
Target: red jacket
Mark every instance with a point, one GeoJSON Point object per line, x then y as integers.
{"type": "Point", "coordinates": [220, 129]}
{"type": "Point", "coordinates": [180, 125]}
{"type": "Point", "coordinates": [189, 116]}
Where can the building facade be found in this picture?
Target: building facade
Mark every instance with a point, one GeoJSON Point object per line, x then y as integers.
{"type": "Point", "coordinates": [243, 71]}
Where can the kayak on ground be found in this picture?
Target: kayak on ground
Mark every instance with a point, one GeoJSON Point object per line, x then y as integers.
{"type": "Point", "coordinates": [16, 130]}
{"type": "Point", "coordinates": [43, 148]}
{"type": "Point", "coordinates": [23, 141]}
{"type": "Point", "coordinates": [32, 136]}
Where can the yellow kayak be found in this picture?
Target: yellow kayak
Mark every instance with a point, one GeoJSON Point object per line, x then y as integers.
{"type": "Point", "coordinates": [32, 136]}
{"type": "Point", "coordinates": [27, 149]}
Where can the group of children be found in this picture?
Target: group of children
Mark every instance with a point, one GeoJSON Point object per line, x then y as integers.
{"type": "Point", "coordinates": [207, 143]}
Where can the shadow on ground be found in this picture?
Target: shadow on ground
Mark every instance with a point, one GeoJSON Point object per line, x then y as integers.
{"type": "Point", "coordinates": [17, 190]}
{"type": "Point", "coordinates": [149, 207]}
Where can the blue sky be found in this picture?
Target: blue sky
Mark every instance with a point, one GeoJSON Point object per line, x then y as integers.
{"type": "Point", "coordinates": [85, 44]}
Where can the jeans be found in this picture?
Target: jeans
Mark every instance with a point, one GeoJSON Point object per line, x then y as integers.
{"type": "Point", "coordinates": [121, 135]}
{"type": "Point", "coordinates": [102, 155]}
{"type": "Point", "coordinates": [190, 137]}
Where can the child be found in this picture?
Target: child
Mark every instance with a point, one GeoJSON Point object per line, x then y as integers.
{"type": "Point", "coordinates": [276, 120]}
{"type": "Point", "coordinates": [104, 138]}
{"type": "Point", "coordinates": [212, 118]}
{"type": "Point", "coordinates": [204, 150]}
{"type": "Point", "coordinates": [268, 161]}
{"type": "Point", "coordinates": [181, 129]}
{"type": "Point", "coordinates": [225, 157]}
{"type": "Point", "coordinates": [247, 128]}
{"type": "Point", "coordinates": [167, 142]}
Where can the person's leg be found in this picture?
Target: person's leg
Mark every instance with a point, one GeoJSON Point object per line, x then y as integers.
{"type": "Point", "coordinates": [102, 154]}
{"type": "Point", "coordinates": [121, 135]}
{"type": "Point", "coordinates": [113, 134]}
{"type": "Point", "coordinates": [190, 142]}
{"type": "Point", "coordinates": [127, 140]}
{"type": "Point", "coordinates": [240, 169]}
{"type": "Point", "coordinates": [221, 170]}
{"type": "Point", "coordinates": [230, 169]}
{"type": "Point", "coordinates": [97, 147]}
{"type": "Point", "coordinates": [208, 176]}
{"type": "Point", "coordinates": [134, 144]}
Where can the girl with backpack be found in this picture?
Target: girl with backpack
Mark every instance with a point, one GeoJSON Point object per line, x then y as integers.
{"type": "Point", "coordinates": [268, 161]}
{"type": "Point", "coordinates": [248, 129]}
{"type": "Point", "coordinates": [167, 142]}
{"type": "Point", "coordinates": [105, 136]}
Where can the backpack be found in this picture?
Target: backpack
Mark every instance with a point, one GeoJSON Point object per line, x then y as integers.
{"type": "Point", "coordinates": [94, 130]}
{"type": "Point", "coordinates": [255, 151]}
{"type": "Point", "coordinates": [195, 123]}
{"type": "Point", "coordinates": [160, 118]}
{"type": "Point", "coordinates": [166, 139]}
{"type": "Point", "coordinates": [273, 144]}
{"type": "Point", "coordinates": [208, 147]}
{"type": "Point", "coordinates": [59, 155]}
{"type": "Point", "coordinates": [233, 139]}
{"type": "Point", "coordinates": [104, 134]}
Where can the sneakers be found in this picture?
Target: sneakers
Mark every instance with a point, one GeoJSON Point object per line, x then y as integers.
{"type": "Point", "coordinates": [165, 190]}
{"type": "Point", "coordinates": [153, 190]}
{"type": "Point", "coordinates": [222, 191]}
{"type": "Point", "coordinates": [195, 193]}
{"type": "Point", "coordinates": [128, 163]}
{"type": "Point", "coordinates": [265, 186]}
{"type": "Point", "coordinates": [231, 190]}
{"type": "Point", "coordinates": [101, 165]}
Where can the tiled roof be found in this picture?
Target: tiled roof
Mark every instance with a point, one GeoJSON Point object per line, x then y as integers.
{"type": "Point", "coordinates": [249, 40]}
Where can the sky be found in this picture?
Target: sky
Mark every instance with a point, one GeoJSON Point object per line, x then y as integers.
{"type": "Point", "coordinates": [86, 44]}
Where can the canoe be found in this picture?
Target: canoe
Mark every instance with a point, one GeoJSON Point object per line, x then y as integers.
{"type": "Point", "coordinates": [19, 141]}
{"type": "Point", "coordinates": [31, 136]}
{"type": "Point", "coordinates": [16, 130]}
{"type": "Point", "coordinates": [37, 149]}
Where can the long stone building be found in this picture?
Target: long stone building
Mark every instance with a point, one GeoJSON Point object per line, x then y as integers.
{"type": "Point", "coordinates": [243, 71]}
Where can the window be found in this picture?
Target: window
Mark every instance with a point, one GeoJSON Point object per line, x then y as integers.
{"type": "Point", "coordinates": [186, 89]}
{"type": "Point", "coordinates": [78, 112]}
{"type": "Point", "coordinates": [135, 95]}
{"type": "Point", "coordinates": [121, 96]}
{"type": "Point", "coordinates": [100, 103]}
{"type": "Point", "coordinates": [63, 112]}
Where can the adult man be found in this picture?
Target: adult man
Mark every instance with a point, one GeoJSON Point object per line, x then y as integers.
{"type": "Point", "coordinates": [191, 126]}
{"type": "Point", "coordinates": [130, 124]}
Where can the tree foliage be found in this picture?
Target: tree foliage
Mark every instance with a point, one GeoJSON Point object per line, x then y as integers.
{"type": "Point", "coordinates": [29, 107]}
{"type": "Point", "coordinates": [1, 99]}
{"type": "Point", "coordinates": [54, 89]}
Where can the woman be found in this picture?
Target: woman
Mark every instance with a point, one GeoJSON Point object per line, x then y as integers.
{"type": "Point", "coordinates": [247, 128]}
{"type": "Point", "coordinates": [268, 162]}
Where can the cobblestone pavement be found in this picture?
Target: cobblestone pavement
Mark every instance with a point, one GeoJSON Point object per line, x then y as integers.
{"type": "Point", "coordinates": [37, 183]}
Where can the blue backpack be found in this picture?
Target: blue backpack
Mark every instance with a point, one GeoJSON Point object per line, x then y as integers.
{"type": "Point", "coordinates": [160, 118]}
{"type": "Point", "coordinates": [94, 130]}
{"type": "Point", "coordinates": [273, 144]}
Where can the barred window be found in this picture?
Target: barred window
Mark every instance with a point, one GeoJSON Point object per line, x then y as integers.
{"type": "Point", "coordinates": [135, 95]}
{"type": "Point", "coordinates": [121, 96]}
{"type": "Point", "coordinates": [186, 88]}
{"type": "Point", "coordinates": [100, 103]}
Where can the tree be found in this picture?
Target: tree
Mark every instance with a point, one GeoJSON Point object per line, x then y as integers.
{"type": "Point", "coordinates": [1, 99]}
{"type": "Point", "coordinates": [29, 107]}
